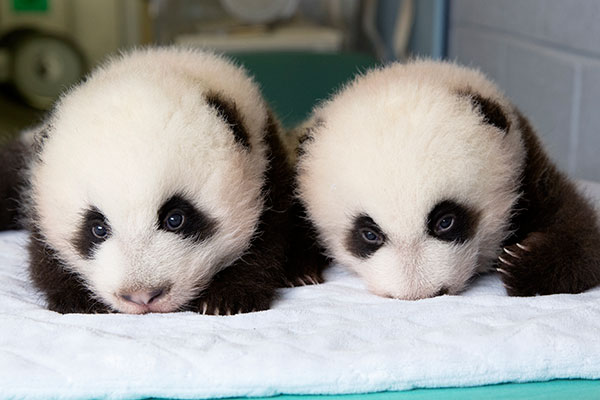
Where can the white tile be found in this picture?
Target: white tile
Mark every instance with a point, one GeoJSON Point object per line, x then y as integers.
{"type": "Point", "coordinates": [473, 47]}
{"type": "Point", "coordinates": [541, 83]}
{"type": "Point", "coordinates": [573, 24]}
{"type": "Point", "coordinates": [588, 151]}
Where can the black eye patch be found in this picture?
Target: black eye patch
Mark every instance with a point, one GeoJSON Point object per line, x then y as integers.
{"type": "Point", "coordinates": [93, 230]}
{"type": "Point", "coordinates": [229, 113]}
{"type": "Point", "coordinates": [451, 222]}
{"type": "Point", "coordinates": [365, 237]}
{"type": "Point", "coordinates": [179, 216]}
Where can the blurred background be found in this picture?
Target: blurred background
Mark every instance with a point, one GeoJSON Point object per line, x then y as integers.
{"type": "Point", "coordinates": [545, 54]}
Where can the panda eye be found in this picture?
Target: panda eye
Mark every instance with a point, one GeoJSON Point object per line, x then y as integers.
{"type": "Point", "coordinates": [177, 215]}
{"type": "Point", "coordinates": [174, 220]}
{"type": "Point", "coordinates": [450, 221]}
{"type": "Point", "coordinates": [94, 229]}
{"type": "Point", "coordinates": [370, 237]}
{"type": "Point", "coordinates": [445, 223]}
{"type": "Point", "coordinates": [364, 237]}
{"type": "Point", "coordinates": [99, 230]}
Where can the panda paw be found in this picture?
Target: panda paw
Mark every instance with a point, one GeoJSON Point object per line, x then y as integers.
{"type": "Point", "coordinates": [310, 278]}
{"type": "Point", "coordinates": [232, 306]}
{"type": "Point", "coordinates": [307, 270]}
{"type": "Point", "coordinates": [522, 265]}
{"type": "Point", "coordinates": [217, 300]}
{"type": "Point", "coordinates": [86, 306]}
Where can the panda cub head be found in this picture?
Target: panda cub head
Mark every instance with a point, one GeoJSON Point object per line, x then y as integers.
{"type": "Point", "coordinates": [148, 177]}
{"type": "Point", "coordinates": [410, 174]}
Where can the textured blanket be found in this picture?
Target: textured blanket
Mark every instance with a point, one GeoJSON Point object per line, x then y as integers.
{"type": "Point", "coordinates": [331, 338]}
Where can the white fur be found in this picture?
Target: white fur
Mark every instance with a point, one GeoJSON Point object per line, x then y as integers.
{"type": "Point", "coordinates": [136, 132]}
{"type": "Point", "coordinates": [394, 143]}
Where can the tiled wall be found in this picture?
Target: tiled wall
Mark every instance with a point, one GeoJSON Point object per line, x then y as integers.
{"type": "Point", "coordinates": [545, 55]}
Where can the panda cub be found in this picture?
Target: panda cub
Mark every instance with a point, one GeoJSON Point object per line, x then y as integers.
{"type": "Point", "coordinates": [419, 176]}
{"type": "Point", "coordinates": [160, 184]}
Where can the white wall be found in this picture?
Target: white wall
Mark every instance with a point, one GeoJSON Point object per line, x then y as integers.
{"type": "Point", "coordinates": [545, 54]}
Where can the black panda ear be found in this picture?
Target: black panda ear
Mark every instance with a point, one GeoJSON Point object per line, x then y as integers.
{"type": "Point", "coordinates": [230, 114]}
{"type": "Point", "coordinates": [491, 111]}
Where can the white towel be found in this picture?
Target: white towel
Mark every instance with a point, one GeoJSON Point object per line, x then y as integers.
{"type": "Point", "coordinates": [328, 339]}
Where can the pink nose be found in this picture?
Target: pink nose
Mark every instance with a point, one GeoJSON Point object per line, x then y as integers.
{"type": "Point", "coordinates": [143, 297]}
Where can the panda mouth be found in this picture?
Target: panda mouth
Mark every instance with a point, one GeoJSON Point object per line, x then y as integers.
{"type": "Point", "coordinates": [143, 301]}
{"type": "Point", "coordinates": [162, 307]}
{"type": "Point", "coordinates": [411, 296]}
{"type": "Point", "coordinates": [145, 309]}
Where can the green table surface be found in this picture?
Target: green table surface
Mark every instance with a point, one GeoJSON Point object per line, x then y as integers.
{"type": "Point", "coordinates": [558, 389]}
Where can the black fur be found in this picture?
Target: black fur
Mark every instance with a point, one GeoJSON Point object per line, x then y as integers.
{"type": "Point", "coordinates": [196, 225]}
{"type": "Point", "coordinates": [229, 113]}
{"type": "Point", "coordinates": [356, 243]}
{"type": "Point", "coordinates": [555, 247]}
{"type": "Point", "coordinates": [14, 157]}
{"type": "Point", "coordinates": [492, 113]}
{"type": "Point", "coordinates": [490, 110]}
{"type": "Point", "coordinates": [306, 258]}
{"type": "Point", "coordinates": [64, 291]}
{"type": "Point", "coordinates": [85, 242]}
{"type": "Point", "coordinates": [463, 227]}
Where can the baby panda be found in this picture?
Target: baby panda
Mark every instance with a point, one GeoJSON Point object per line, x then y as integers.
{"type": "Point", "coordinates": [161, 184]}
{"type": "Point", "coordinates": [419, 176]}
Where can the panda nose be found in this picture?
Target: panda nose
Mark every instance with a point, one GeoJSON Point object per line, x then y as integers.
{"type": "Point", "coordinates": [144, 297]}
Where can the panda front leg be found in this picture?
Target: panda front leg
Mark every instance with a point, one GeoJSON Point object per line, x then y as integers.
{"type": "Point", "coordinates": [249, 284]}
{"type": "Point", "coordinates": [564, 258]}
{"type": "Point", "coordinates": [306, 258]}
{"type": "Point", "coordinates": [556, 243]}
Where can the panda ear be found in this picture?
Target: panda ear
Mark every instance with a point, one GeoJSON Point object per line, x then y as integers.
{"type": "Point", "coordinates": [491, 111]}
{"type": "Point", "coordinates": [229, 113]}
